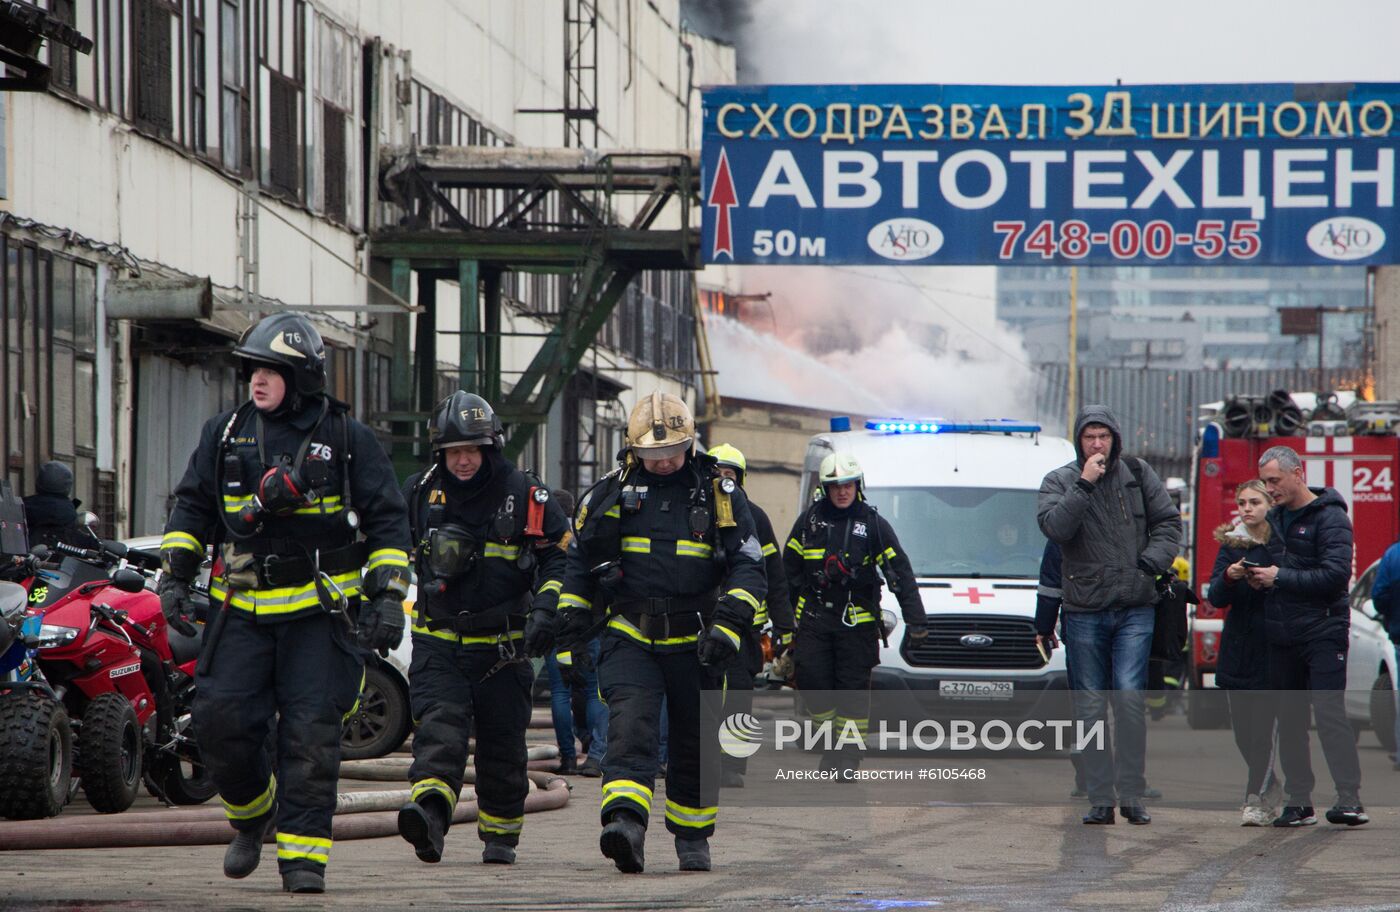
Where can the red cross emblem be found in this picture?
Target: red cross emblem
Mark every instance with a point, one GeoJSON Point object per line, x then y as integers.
{"type": "Point", "coordinates": [974, 595]}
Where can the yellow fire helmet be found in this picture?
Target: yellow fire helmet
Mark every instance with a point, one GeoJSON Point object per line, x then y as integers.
{"type": "Point", "coordinates": [838, 468]}
{"type": "Point", "coordinates": [660, 427]}
{"type": "Point", "coordinates": [726, 454]}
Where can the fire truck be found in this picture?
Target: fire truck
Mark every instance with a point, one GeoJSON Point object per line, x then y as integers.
{"type": "Point", "coordinates": [1346, 443]}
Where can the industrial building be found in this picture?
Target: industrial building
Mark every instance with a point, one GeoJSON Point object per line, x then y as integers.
{"type": "Point", "coordinates": [449, 189]}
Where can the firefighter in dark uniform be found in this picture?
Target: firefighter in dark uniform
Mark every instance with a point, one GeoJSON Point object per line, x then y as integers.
{"type": "Point", "coordinates": [489, 571]}
{"type": "Point", "coordinates": [775, 607]}
{"type": "Point", "coordinates": [297, 498]}
{"type": "Point", "coordinates": [668, 545]}
{"type": "Point", "coordinates": [831, 558]}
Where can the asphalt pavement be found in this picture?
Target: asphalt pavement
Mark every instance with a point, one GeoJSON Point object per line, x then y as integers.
{"type": "Point", "coordinates": [948, 857]}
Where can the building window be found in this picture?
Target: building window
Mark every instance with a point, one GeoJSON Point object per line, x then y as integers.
{"type": "Point", "coordinates": [199, 95]}
{"type": "Point", "coordinates": [235, 114]}
{"type": "Point", "coordinates": [63, 60]}
{"type": "Point", "coordinates": [154, 94]}
{"type": "Point", "coordinates": [333, 103]}
{"type": "Point", "coordinates": [281, 70]}
{"type": "Point", "coordinates": [48, 336]}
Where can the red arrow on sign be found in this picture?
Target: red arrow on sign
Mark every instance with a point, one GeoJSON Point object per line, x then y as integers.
{"type": "Point", "coordinates": [723, 198]}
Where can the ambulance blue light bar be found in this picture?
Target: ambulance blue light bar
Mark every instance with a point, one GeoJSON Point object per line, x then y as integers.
{"type": "Point", "coordinates": [936, 426]}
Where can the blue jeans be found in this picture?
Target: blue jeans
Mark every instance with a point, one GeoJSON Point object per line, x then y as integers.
{"type": "Point", "coordinates": [1107, 652]}
{"type": "Point", "coordinates": [561, 708]}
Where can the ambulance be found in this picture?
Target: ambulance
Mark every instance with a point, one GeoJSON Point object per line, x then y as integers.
{"type": "Point", "coordinates": [962, 499]}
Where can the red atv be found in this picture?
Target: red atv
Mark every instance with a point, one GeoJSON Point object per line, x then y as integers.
{"type": "Point", "coordinates": [124, 676]}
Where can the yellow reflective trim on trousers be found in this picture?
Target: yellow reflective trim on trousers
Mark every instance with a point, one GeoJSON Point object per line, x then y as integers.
{"type": "Point", "coordinates": [694, 549]}
{"type": "Point", "coordinates": [569, 600]}
{"type": "Point", "coordinates": [433, 787]}
{"type": "Point", "coordinates": [734, 637]}
{"type": "Point", "coordinates": [284, 600]}
{"type": "Point", "coordinates": [358, 694]}
{"type": "Point", "coordinates": [180, 540]}
{"type": "Point", "coordinates": [255, 808]}
{"type": "Point", "coordinates": [452, 637]}
{"type": "Point", "coordinates": [496, 549]}
{"type": "Point", "coordinates": [387, 557]}
{"type": "Point", "coordinates": [744, 596]}
{"type": "Point", "coordinates": [823, 715]}
{"type": "Point", "coordinates": [619, 790]}
{"type": "Point", "coordinates": [550, 586]}
{"type": "Point", "coordinates": [613, 512]}
{"type": "Point", "coordinates": [795, 545]}
{"type": "Point", "coordinates": [770, 549]}
{"type": "Point", "coordinates": [636, 544]}
{"type": "Point", "coordinates": [622, 625]}
{"type": "Point", "coordinates": [505, 826]}
{"type": "Point", "coordinates": [862, 725]}
{"type": "Point", "coordinates": [698, 818]}
{"type": "Point", "coordinates": [291, 847]}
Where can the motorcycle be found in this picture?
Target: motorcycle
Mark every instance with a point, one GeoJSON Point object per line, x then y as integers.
{"type": "Point", "coordinates": [109, 655]}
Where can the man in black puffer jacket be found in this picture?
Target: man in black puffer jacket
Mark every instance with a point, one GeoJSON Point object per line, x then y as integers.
{"type": "Point", "coordinates": [1307, 621]}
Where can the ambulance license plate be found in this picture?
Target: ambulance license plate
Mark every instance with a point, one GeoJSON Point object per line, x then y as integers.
{"type": "Point", "coordinates": [976, 690]}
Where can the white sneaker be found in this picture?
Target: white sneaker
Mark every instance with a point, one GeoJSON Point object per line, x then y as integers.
{"type": "Point", "coordinates": [1255, 814]}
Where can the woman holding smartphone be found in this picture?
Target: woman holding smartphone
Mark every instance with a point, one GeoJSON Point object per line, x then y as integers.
{"type": "Point", "coordinates": [1241, 669]}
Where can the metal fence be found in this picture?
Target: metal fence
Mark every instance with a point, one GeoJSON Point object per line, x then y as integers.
{"type": "Point", "coordinates": [1158, 409]}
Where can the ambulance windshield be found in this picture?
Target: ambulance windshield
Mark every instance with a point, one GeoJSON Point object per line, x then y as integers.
{"type": "Point", "coordinates": [965, 532]}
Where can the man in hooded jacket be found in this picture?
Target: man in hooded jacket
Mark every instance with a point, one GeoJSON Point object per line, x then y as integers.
{"type": "Point", "coordinates": [1118, 531]}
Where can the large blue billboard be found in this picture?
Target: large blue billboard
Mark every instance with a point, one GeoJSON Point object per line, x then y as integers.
{"type": "Point", "coordinates": [996, 175]}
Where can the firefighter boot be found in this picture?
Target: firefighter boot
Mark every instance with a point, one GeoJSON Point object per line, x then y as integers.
{"type": "Point", "coordinates": [622, 841]}
{"type": "Point", "coordinates": [423, 823]}
{"type": "Point", "coordinates": [243, 853]}
{"type": "Point", "coordinates": [303, 881]}
{"type": "Point", "coordinates": [497, 852]}
{"type": "Point", "coordinates": [694, 854]}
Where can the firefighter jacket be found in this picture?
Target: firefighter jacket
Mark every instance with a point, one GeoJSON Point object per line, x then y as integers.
{"type": "Point", "coordinates": [268, 564]}
{"type": "Point", "coordinates": [666, 555]}
{"type": "Point", "coordinates": [775, 606]}
{"type": "Point", "coordinates": [831, 559]}
{"type": "Point", "coordinates": [513, 560]}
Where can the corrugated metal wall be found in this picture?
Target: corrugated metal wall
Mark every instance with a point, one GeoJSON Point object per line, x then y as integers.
{"type": "Point", "coordinates": [1157, 408]}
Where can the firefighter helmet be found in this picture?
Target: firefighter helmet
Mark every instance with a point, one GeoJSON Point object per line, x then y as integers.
{"type": "Point", "coordinates": [729, 455]}
{"type": "Point", "coordinates": [463, 418]}
{"type": "Point", "coordinates": [838, 468]}
{"type": "Point", "coordinates": [289, 344]}
{"type": "Point", "coordinates": [660, 427]}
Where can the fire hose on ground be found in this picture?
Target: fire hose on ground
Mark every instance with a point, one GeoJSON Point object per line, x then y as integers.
{"type": "Point", "coordinates": [359, 815]}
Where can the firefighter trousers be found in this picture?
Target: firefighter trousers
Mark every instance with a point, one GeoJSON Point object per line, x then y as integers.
{"type": "Point", "coordinates": [634, 678]}
{"type": "Point", "coordinates": [833, 672]}
{"type": "Point", "coordinates": [305, 673]}
{"type": "Point", "coordinates": [738, 689]}
{"type": "Point", "coordinates": [453, 689]}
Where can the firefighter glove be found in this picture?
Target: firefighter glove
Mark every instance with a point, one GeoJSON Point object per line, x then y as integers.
{"type": "Point", "coordinates": [573, 628]}
{"type": "Point", "coordinates": [381, 623]}
{"type": "Point", "coordinates": [175, 603]}
{"type": "Point", "coordinates": [718, 647]}
{"type": "Point", "coordinates": [539, 632]}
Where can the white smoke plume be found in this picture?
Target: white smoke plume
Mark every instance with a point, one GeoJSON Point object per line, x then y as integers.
{"type": "Point", "coordinates": [924, 340]}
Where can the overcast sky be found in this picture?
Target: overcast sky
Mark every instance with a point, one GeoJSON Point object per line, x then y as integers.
{"type": "Point", "coordinates": [1065, 41]}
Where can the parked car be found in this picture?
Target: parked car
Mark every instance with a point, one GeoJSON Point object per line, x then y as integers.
{"type": "Point", "coordinates": [382, 719]}
{"type": "Point", "coordinates": [1370, 697]}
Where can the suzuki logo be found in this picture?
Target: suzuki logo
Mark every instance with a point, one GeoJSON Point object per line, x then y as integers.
{"type": "Point", "coordinates": [976, 640]}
